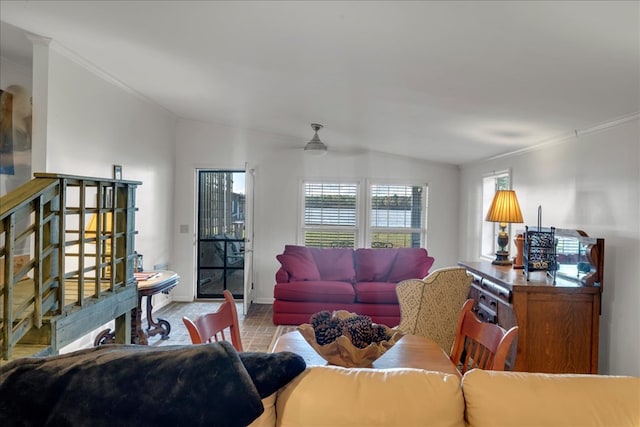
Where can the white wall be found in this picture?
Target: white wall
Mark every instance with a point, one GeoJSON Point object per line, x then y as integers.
{"type": "Point", "coordinates": [12, 73]}
{"type": "Point", "coordinates": [92, 124]}
{"type": "Point", "coordinates": [591, 183]}
{"type": "Point", "coordinates": [279, 166]}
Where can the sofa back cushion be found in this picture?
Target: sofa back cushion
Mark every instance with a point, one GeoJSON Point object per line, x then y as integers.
{"type": "Point", "coordinates": [410, 263]}
{"type": "Point", "coordinates": [336, 396]}
{"type": "Point", "coordinates": [533, 399]}
{"type": "Point", "coordinates": [299, 263]}
{"type": "Point", "coordinates": [374, 265]}
{"type": "Point", "coordinates": [334, 263]}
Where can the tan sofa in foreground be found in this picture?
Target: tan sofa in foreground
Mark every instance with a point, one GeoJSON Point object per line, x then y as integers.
{"type": "Point", "coordinates": [326, 396]}
{"type": "Point", "coordinates": [213, 385]}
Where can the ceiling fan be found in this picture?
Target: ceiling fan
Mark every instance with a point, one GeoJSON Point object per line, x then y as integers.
{"type": "Point", "coordinates": [315, 147]}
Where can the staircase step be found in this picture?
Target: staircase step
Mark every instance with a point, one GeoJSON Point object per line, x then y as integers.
{"type": "Point", "coordinates": [28, 350]}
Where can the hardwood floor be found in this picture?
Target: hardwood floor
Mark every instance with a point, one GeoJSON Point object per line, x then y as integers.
{"type": "Point", "coordinates": [256, 327]}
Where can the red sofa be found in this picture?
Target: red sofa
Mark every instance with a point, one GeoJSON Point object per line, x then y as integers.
{"type": "Point", "coordinates": [362, 281]}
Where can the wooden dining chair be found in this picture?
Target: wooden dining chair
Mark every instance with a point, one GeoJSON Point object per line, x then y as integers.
{"type": "Point", "coordinates": [478, 344]}
{"type": "Point", "coordinates": [210, 327]}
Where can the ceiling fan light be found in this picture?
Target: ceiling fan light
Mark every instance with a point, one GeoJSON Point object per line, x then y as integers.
{"type": "Point", "coordinates": [315, 147]}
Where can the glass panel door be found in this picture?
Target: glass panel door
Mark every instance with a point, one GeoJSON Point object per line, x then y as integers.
{"type": "Point", "coordinates": [221, 233]}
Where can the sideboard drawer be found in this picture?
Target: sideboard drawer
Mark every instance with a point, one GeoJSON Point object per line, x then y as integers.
{"type": "Point", "coordinates": [477, 280]}
{"type": "Point", "coordinates": [485, 305]}
{"type": "Point", "coordinates": [485, 314]}
{"type": "Point", "coordinates": [489, 301]}
{"type": "Point", "coordinates": [496, 289]}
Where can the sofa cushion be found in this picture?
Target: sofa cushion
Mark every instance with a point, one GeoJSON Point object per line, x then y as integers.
{"type": "Point", "coordinates": [533, 399]}
{"type": "Point", "coordinates": [334, 263]}
{"type": "Point", "coordinates": [410, 263]}
{"type": "Point", "coordinates": [298, 312]}
{"type": "Point", "coordinates": [373, 265]}
{"type": "Point", "coordinates": [336, 396]}
{"type": "Point", "coordinates": [268, 417]}
{"type": "Point", "coordinates": [376, 292]}
{"type": "Point", "coordinates": [299, 263]}
{"type": "Point", "coordinates": [318, 291]}
{"type": "Point", "coordinates": [282, 276]}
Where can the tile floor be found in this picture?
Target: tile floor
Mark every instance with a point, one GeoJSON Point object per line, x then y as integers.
{"type": "Point", "coordinates": [256, 327]}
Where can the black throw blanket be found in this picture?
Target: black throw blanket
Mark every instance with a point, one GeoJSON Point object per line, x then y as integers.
{"type": "Point", "coordinates": [129, 385]}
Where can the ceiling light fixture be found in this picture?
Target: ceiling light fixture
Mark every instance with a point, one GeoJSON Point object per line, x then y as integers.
{"type": "Point", "coordinates": [315, 147]}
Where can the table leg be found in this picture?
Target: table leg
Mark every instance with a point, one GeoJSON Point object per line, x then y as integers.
{"type": "Point", "coordinates": [124, 323]}
{"type": "Point", "coordinates": [162, 326]}
{"type": "Point", "coordinates": [138, 336]}
{"type": "Point", "coordinates": [106, 336]}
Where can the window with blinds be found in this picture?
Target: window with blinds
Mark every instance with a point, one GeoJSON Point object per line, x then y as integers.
{"type": "Point", "coordinates": [490, 184]}
{"type": "Point", "coordinates": [330, 214]}
{"type": "Point", "coordinates": [397, 216]}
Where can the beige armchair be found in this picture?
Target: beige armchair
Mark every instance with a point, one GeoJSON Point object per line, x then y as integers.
{"type": "Point", "coordinates": [430, 307]}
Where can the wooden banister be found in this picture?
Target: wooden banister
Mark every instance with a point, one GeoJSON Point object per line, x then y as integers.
{"type": "Point", "coordinates": [48, 256]}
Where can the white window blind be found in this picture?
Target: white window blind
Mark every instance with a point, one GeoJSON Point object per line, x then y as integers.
{"type": "Point", "coordinates": [330, 214]}
{"type": "Point", "coordinates": [397, 216]}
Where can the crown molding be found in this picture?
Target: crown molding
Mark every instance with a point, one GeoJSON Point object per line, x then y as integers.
{"type": "Point", "coordinates": [36, 39]}
{"type": "Point", "coordinates": [97, 71]}
{"type": "Point", "coordinates": [564, 138]}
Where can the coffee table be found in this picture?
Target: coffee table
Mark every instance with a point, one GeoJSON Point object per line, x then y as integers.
{"type": "Point", "coordinates": [411, 351]}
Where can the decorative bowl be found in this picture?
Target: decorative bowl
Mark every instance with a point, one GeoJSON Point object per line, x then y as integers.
{"type": "Point", "coordinates": [342, 352]}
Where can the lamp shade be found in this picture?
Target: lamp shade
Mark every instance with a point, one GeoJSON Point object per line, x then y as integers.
{"type": "Point", "coordinates": [505, 208]}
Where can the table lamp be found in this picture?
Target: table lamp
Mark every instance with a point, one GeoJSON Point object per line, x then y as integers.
{"type": "Point", "coordinates": [504, 209]}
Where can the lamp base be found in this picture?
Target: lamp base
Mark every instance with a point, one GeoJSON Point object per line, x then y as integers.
{"type": "Point", "coordinates": [502, 258]}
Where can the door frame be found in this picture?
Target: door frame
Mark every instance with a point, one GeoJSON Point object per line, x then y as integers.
{"type": "Point", "coordinates": [248, 229]}
{"type": "Point", "coordinates": [249, 185]}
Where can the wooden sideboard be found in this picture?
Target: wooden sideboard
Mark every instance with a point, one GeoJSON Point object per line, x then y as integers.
{"type": "Point", "coordinates": [558, 324]}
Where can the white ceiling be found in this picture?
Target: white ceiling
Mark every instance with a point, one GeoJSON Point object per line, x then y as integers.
{"type": "Point", "coordinates": [445, 81]}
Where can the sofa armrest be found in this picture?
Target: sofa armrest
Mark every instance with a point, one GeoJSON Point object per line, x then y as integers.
{"type": "Point", "coordinates": [282, 276]}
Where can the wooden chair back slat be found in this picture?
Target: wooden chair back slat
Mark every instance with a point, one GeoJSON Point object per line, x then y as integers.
{"type": "Point", "coordinates": [478, 344]}
{"type": "Point", "coordinates": [210, 327]}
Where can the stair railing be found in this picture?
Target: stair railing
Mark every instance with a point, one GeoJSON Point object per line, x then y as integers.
{"type": "Point", "coordinates": [65, 242]}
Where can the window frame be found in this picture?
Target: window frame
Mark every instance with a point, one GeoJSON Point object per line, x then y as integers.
{"type": "Point", "coordinates": [363, 231]}
{"type": "Point", "coordinates": [370, 230]}
{"type": "Point", "coordinates": [489, 230]}
{"type": "Point", "coordinates": [303, 228]}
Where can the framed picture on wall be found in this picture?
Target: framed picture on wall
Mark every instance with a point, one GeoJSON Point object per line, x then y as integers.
{"type": "Point", "coordinates": [6, 133]}
{"type": "Point", "coordinates": [117, 171]}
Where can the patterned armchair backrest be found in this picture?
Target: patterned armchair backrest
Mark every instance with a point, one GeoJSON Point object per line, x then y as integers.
{"type": "Point", "coordinates": [430, 307]}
